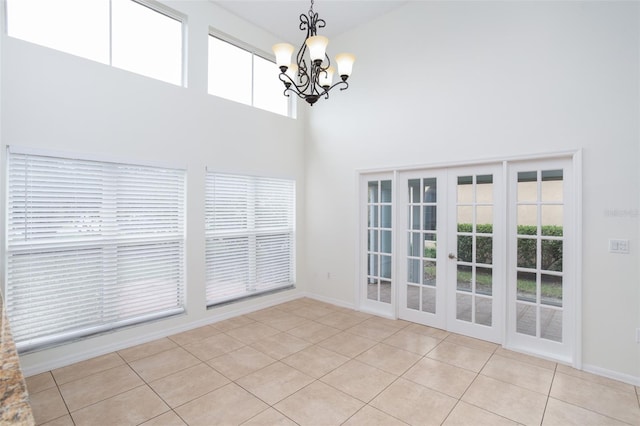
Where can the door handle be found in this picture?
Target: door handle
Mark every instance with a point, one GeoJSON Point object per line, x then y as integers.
{"type": "Point", "coordinates": [452, 256]}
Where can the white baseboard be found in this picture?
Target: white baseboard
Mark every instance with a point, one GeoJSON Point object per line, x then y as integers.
{"type": "Point", "coordinates": [331, 301]}
{"type": "Point", "coordinates": [622, 377]}
{"type": "Point", "coordinates": [377, 313]}
{"type": "Point", "coordinates": [626, 378]}
{"type": "Point", "coordinates": [540, 354]}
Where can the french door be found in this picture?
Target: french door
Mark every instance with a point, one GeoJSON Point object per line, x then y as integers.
{"type": "Point", "coordinates": [542, 259]}
{"type": "Point", "coordinates": [452, 277]}
{"type": "Point", "coordinates": [378, 294]}
{"type": "Point", "coordinates": [475, 285]}
{"type": "Point", "coordinates": [422, 247]}
{"type": "Point", "coordinates": [488, 251]}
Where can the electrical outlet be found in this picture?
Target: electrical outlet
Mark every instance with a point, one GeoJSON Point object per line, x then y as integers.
{"type": "Point", "coordinates": [619, 246]}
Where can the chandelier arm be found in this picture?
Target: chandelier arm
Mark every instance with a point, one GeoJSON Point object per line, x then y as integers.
{"type": "Point", "coordinates": [288, 82]}
{"type": "Point", "coordinates": [300, 61]}
{"type": "Point", "coordinates": [326, 57]}
{"type": "Point", "coordinates": [339, 83]}
{"type": "Point", "coordinates": [303, 78]}
{"type": "Point", "coordinates": [295, 92]}
{"type": "Point", "coordinates": [314, 80]}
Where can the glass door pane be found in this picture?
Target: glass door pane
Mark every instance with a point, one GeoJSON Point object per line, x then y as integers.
{"type": "Point", "coordinates": [379, 240]}
{"type": "Point", "coordinates": [539, 265]}
{"type": "Point", "coordinates": [422, 243]}
{"type": "Point", "coordinates": [474, 285]}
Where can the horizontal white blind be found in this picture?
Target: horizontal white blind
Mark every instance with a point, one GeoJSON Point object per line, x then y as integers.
{"type": "Point", "coordinates": [91, 246]}
{"type": "Point", "coordinates": [250, 233]}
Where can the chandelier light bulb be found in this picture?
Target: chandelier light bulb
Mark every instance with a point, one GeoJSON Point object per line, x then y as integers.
{"type": "Point", "coordinates": [283, 52]}
{"type": "Point", "coordinates": [317, 47]}
{"type": "Point", "coordinates": [325, 79]}
{"type": "Point", "coordinates": [345, 64]}
{"type": "Point", "coordinates": [292, 72]}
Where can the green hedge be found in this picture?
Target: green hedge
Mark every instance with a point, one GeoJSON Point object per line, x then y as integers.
{"type": "Point", "coordinates": [551, 249]}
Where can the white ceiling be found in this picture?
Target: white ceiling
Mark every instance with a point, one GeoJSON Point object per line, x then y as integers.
{"type": "Point", "coordinates": [282, 17]}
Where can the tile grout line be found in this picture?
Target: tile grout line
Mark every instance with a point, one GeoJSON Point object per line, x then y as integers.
{"type": "Point", "coordinates": [453, 365]}
{"type": "Point", "coordinates": [466, 390]}
{"type": "Point", "coordinates": [575, 405]}
{"type": "Point", "coordinates": [546, 403]}
{"type": "Point", "coordinates": [173, 409]}
{"type": "Point", "coordinates": [394, 381]}
{"type": "Point", "coordinates": [478, 374]}
{"type": "Point", "coordinates": [154, 391]}
{"type": "Point", "coordinates": [513, 384]}
{"type": "Point", "coordinates": [458, 401]}
{"type": "Point", "coordinates": [147, 384]}
{"type": "Point", "coordinates": [63, 400]}
{"type": "Point", "coordinates": [58, 387]}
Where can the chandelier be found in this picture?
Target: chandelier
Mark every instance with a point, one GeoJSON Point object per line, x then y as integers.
{"type": "Point", "coordinates": [311, 82]}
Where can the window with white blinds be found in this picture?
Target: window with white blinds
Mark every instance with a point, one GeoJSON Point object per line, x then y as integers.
{"type": "Point", "coordinates": [250, 233]}
{"type": "Point", "coordinates": [91, 246]}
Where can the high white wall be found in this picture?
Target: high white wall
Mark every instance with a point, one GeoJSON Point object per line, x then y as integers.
{"type": "Point", "coordinates": [461, 81]}
{"type": "Point", "coordinates": [56, 101]}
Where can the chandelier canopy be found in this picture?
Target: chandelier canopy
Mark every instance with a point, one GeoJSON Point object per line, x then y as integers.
{"type": "Point", "coordinates": [311, 82]}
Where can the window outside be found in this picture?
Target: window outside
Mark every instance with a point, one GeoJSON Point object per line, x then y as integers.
{"type": "Point", "coordinates": [242, 76]}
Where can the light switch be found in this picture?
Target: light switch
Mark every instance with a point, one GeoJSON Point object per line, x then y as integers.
{"type": "Point", "coordinates": [619, 246]}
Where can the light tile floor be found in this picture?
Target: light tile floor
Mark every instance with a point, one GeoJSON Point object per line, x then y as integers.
{"type": "Point", "coordinates": [310, 363]}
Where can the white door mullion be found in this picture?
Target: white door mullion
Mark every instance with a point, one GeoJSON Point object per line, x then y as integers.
{"type": "Point", "coordinates": [394, 244]}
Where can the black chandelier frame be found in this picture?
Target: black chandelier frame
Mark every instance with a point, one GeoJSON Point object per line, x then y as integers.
{"type": "Point", "coordinates": [309, 77]}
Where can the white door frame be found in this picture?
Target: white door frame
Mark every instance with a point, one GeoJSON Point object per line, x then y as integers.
{"type": "Point", "coordinates": [575, 246]}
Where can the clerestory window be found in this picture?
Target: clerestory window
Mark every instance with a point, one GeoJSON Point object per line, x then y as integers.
{"type": "Point", "coordinates": [242, 74]}
{"type": "Point", "coordinates": [141, 36]}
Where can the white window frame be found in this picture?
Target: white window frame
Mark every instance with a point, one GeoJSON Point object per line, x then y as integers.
{"type": "Point", "coordinates": [161, 252]}
{"type": "Point", "coordinates": [254, 51]}
{"type": "Point", "coordinates": [220, 225]}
